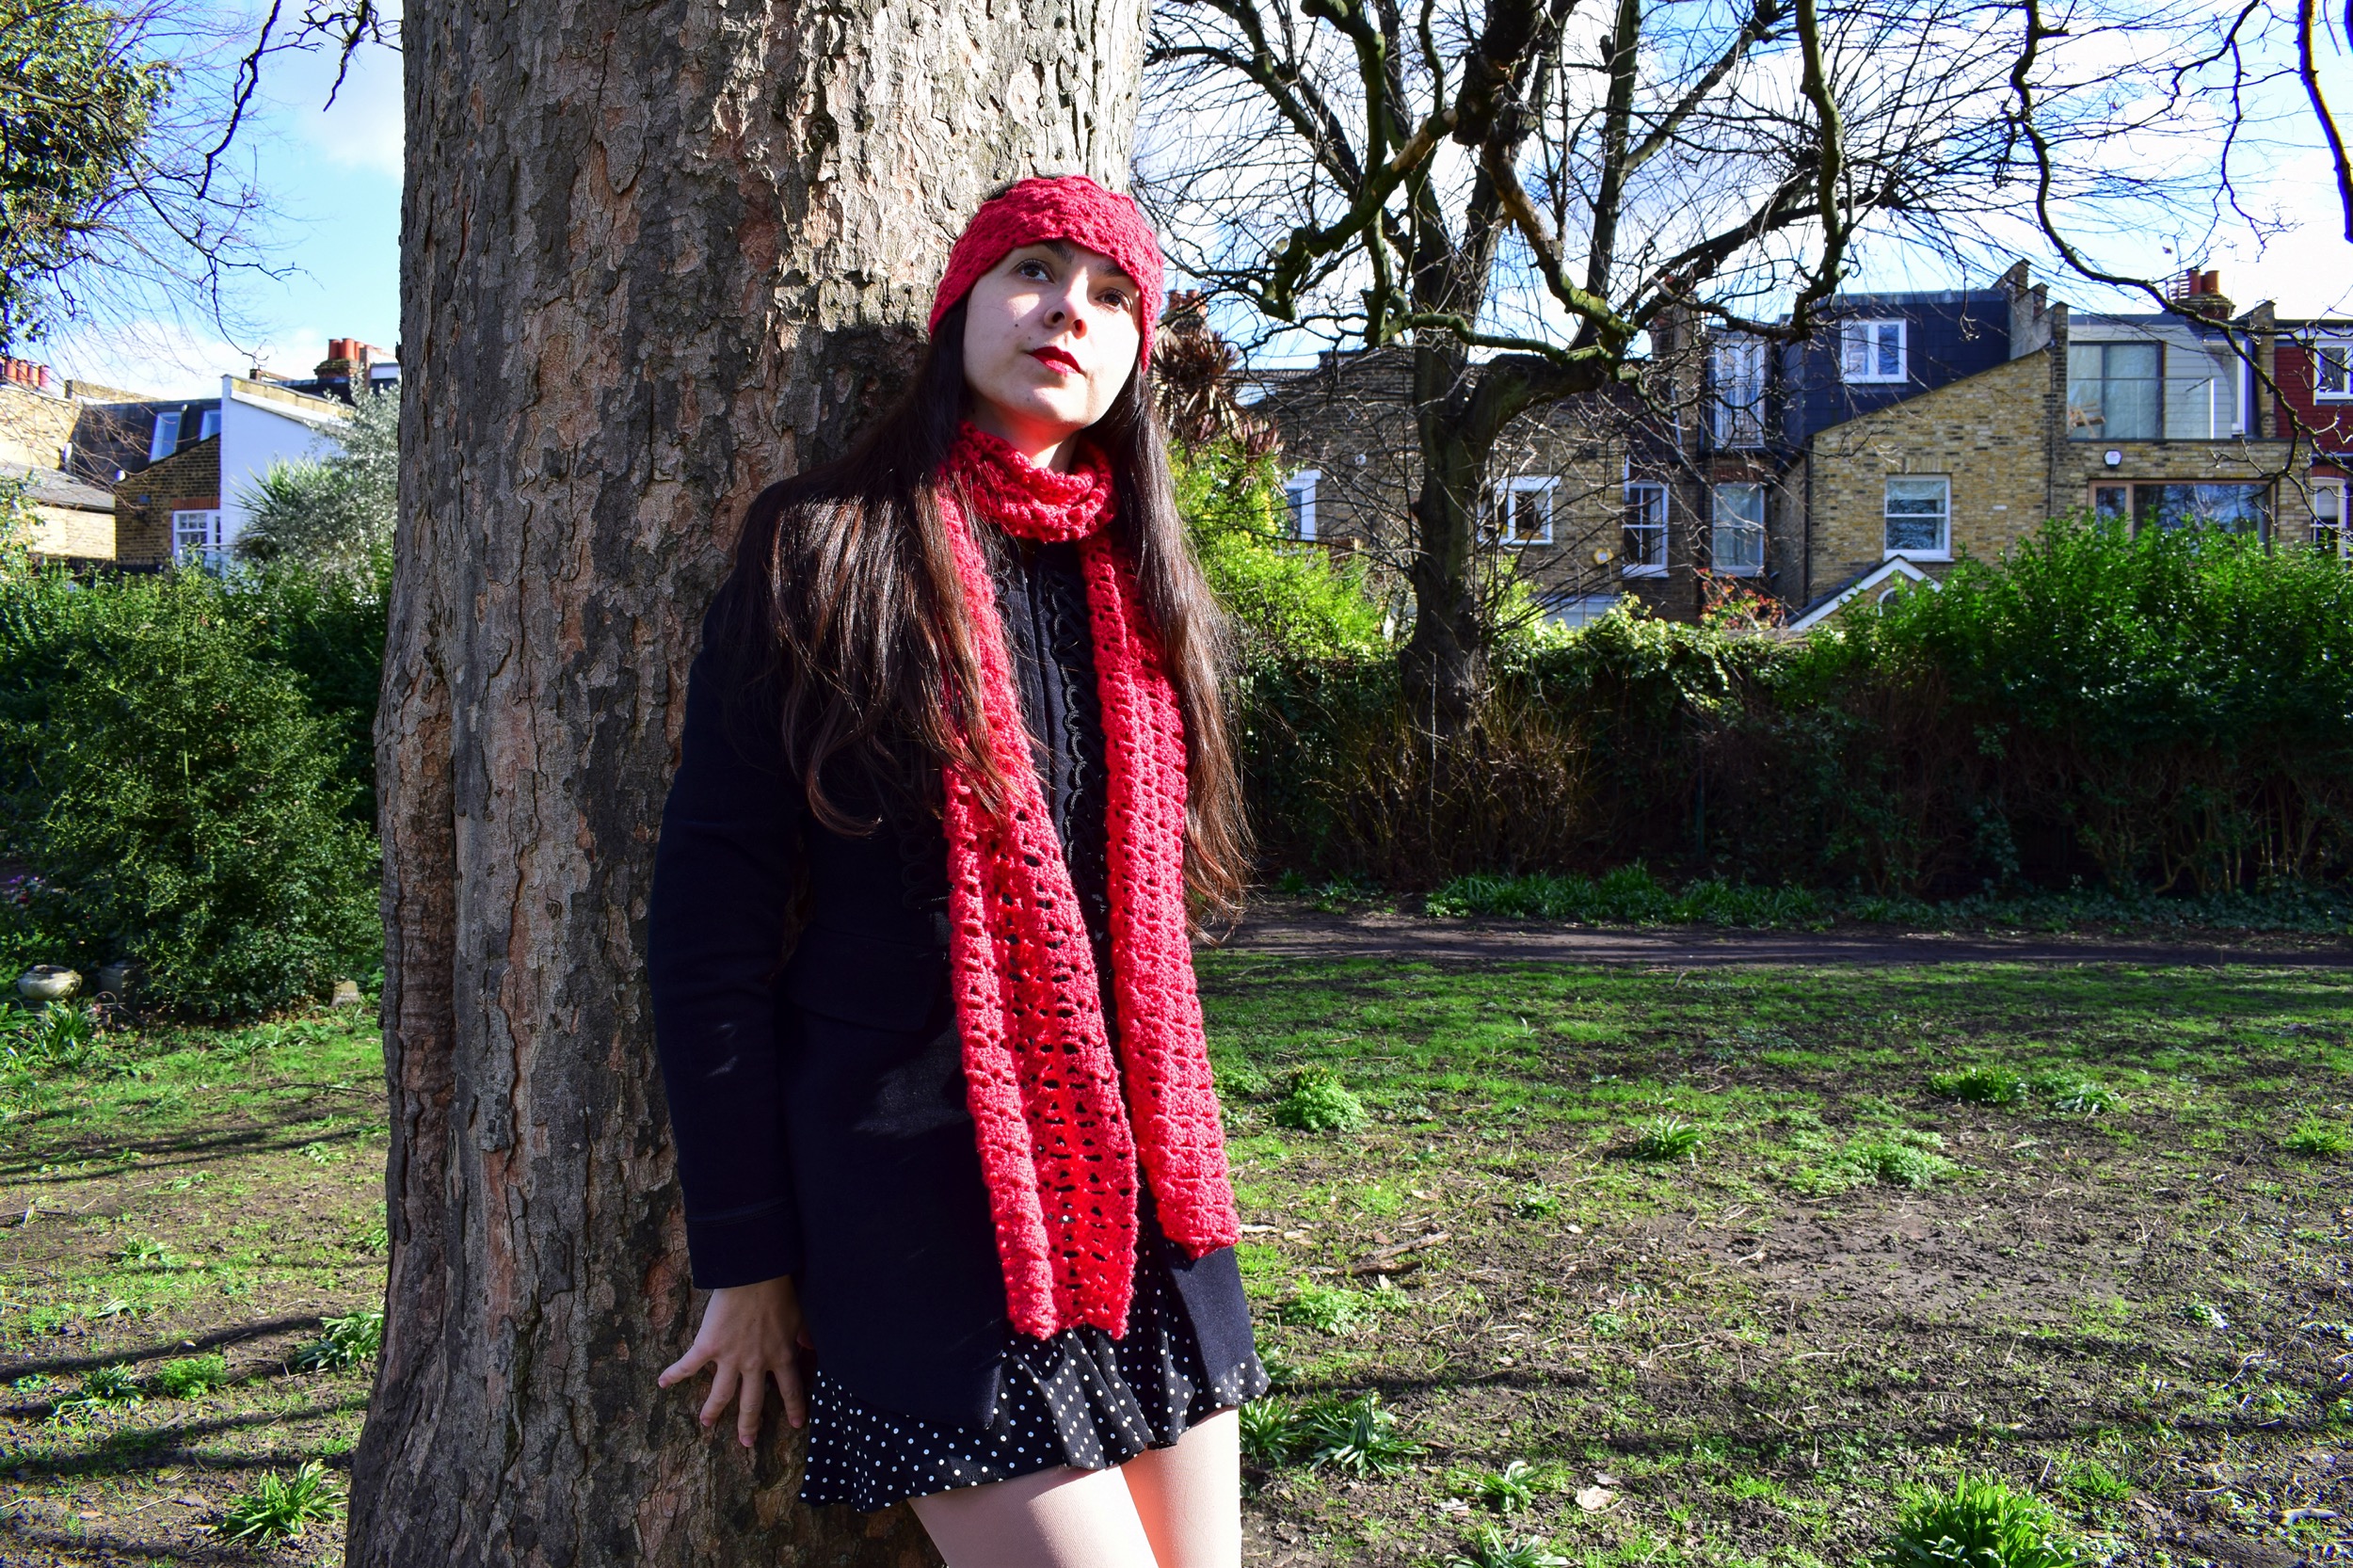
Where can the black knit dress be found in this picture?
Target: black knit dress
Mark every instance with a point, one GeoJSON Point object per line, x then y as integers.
{"type": "Point", "coordinates": [1079, 1398]}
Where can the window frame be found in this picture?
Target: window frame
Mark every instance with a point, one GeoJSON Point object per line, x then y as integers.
{"type": "Point", "coordinates": [1299, 503]}
{"type": "Point", "coordinates": [1871, 329]}
{"type": "Point", "coordinates": [1506, 527]}
{"type": "Point", "coordinates": [209, 549]}
{"type": "Point", "coordinates": [1717, 525]}
{"type": "Point", "coordinates": [1730, 422]}
{"type": "Point", "coordinates": [2087, 432]}
{"type": "Point", "coordinates": [2343, 348]}
{"type": "Point", "coordinates": [2132, 515]}
{"type": "Point", "coordinates": [1633, 567]}
{"type": "Point", "coordinates": [165, 419]}
{"type": "Point", "coordinates": [2341, 542]}
{"type": "Point", "coordinates": [208, 424]}
{"type": "Point", "coordinates": [1943, 549]}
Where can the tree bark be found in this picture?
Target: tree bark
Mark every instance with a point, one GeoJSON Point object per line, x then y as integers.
{"type": "Point", "coordinates": [653, 257]}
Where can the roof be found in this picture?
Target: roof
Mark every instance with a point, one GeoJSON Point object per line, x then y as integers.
{"type": "Point", "coordinates": [51, 487]}
{"type": "Point", "coordinates": [1884, 576]}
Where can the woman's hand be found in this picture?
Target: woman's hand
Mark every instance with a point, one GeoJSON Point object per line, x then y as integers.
{"type": "Point", "coordinates": [748, 1337]}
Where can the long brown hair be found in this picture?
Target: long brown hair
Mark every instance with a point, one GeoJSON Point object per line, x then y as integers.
{"type": "Point", "coordinates": [845, 606]}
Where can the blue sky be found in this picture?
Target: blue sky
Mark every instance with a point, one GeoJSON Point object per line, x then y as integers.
{"type": "Point", "coordinates": [334, 178]}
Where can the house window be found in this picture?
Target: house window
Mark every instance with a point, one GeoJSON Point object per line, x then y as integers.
{"type": "Point", "coordinates": [2233, 508]}
{"type": "Point", "coordinates": [1739, 404]}
{"type": "Point", "coordinates": [2332, 370]}
{"type": "Point", "coordinates": [2329, 519]}
{"type": "Point", "coordinates": [1870, 351]}
{"type": "Point", "coordinates": [208, 425]}
{"type": "Point", "coordinates": [1299, 503]}
{"type": "Point", "coordinates": [196, 538]}
{"type": "Point", "coordinates": [2113, 391]}
{"type": "Point", "coordinates": [1919, 518]}
{"type": "Point", "coordinates": [1737, 547]}
{"type": "Point", "coordinates": [1645, 531]}
{"type": "Point", "coordinates": [166, 435]}
{"type": "Point", "coordinates": [1525, 514]}
{"type": "Point", "coordinates": [2202, 395]}
{"type": "Point", "coordinates": [1574, 611]}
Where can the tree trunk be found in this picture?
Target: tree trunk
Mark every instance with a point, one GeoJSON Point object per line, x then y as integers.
{"type": "Point", "coordinates": [1445, 662]}
{"type": "Point", "coordinates": [653, 256]}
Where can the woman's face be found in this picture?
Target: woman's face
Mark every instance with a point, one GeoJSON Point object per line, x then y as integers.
{"type": "Point", "coordinates": [1050, 336]}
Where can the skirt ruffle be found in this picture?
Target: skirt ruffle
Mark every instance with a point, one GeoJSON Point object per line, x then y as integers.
{"type": "Point", "coordinates": [1079, 1399]}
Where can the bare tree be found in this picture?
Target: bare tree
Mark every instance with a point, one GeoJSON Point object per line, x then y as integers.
{"type": "Point", "coordinates": [118, 195]}
{"type": "Point", "coordinates": [1529, 196]}
{"type": "Point", "coordinates": [654, 256]}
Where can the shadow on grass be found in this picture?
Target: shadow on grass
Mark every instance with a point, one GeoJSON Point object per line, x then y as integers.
{"type": "Point", "coordinates": [162, 1350]}
{"type": "Point", "coordinates": [144, 1448]}
{"type": "Point", "coordinates": [166, 1153]}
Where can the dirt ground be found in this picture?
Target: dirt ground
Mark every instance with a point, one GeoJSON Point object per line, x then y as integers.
{"type": "Point", "coordinates": [2127, 1288]}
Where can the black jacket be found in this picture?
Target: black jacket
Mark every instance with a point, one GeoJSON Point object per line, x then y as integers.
{"type": "Point", "coordinates": [819, 1108]}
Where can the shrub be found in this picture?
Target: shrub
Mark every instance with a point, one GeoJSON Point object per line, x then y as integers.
{"type": "Point", "coordinates": [1980, 1085]}
{"type": "Point", "coordinates": [1510, 1490]}
{"type": "Point", "coordinates": [2167, 712]}
{"type": "Point", "coordinates": [191, 1377]}
{"type": "Point", "coordinates": [348, 1341]}
{"type": "Point", "coordinates": [1357, 1436]}
{"type": "Point", "coordinates": [1318, 1101]}
{"type": "Point", "coordinates": [1268, 1429]}
{"type": "Point", "coordinates": [1285, 597]}
{"type": "Point", "coordinates": [1492, 1547]}
{"type": "Point", "coordinates": [2317, 1138]}
{"type": "Point", "coordinates": [177, 798]}
{"type": "Point", "coordinates": [279, 1506]}
{"type": "Point", "coordinates": [1665, 1138]}
{"type": "Point", "coordinates": [1980, 1523]}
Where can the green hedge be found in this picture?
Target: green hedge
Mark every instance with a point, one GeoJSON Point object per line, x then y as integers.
{"type": "Point", "coordinates": [183, 782]}
{"type": "Point", "coordinates": [2169, 713]}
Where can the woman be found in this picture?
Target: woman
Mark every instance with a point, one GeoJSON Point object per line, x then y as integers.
{"type": "Point", "coordinates": [954, 765]}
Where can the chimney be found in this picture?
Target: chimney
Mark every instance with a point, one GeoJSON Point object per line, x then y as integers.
{"type": "Point", "coordinates": [348, 358]}
{"type": "Point", "coordinates": [2199, 294]}
{"type": "Point", "coordinates": [24, 372]}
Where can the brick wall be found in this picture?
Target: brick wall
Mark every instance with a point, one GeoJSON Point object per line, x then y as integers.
{"type": "Point", "coordinates": [187, 481]}
{"type": "Point", "coordinates": [34, 426]}
{"type": "Point", "coordinates": [69, 531]}
{"type": "Point", "coordinates": [1987, 434]}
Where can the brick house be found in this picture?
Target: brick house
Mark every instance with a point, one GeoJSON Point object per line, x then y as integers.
{"type": "Point", "coordinates": [2313, 372]}
{"type": "Point", "coordinates": [1555, 514]}
{"type": "Point", "coordinates": [2000, 408]}
{"type": "Point", "coordinates": [176, 468]}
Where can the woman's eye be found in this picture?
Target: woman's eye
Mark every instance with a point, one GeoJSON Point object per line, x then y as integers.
{"type": "Point", "coordinates": [1113, 299]}
{"type": "Point", "coordinates": [1035, 270]}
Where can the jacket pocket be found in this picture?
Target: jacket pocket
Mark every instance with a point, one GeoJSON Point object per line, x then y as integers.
{"type": "Point", "coordinates": [871, 981]}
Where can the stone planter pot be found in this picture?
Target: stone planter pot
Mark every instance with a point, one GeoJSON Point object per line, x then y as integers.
{"type": "Point", "coordinates": [48, 982]}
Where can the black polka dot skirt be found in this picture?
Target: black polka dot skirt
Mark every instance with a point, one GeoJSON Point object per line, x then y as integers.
{"type": "Point", "coordinates": [1079, 1398]}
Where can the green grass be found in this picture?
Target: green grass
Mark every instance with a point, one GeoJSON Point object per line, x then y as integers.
{"type": "Point", "coordinates": [2317, 1138]}
{"type": "Point", "coordinates": [1866, 1287]}
{"type": "Point", "coordinates": [1666, 1138]}
{"type": "Point", "coordinates": [1473, 1303]}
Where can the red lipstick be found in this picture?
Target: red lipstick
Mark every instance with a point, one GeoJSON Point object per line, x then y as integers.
{"type": "Point", "coordinates": [1057, 358]}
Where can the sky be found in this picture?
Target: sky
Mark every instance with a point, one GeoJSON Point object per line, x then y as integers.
{"type": "Point", "coordinates": [334, 179]}
{"type": "Point", "coordinates": [333, 175]}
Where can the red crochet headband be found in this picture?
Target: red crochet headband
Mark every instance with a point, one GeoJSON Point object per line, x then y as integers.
{"type": "Point", "coordinates": [1066, 207]}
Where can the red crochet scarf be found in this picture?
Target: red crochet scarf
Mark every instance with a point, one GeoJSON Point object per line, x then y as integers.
{"type": "Point", "coordinates": [1059, 1149]}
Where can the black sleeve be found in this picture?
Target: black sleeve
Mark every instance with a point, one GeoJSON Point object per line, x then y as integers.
{"type": "Point", "coordinates": [722, 884]}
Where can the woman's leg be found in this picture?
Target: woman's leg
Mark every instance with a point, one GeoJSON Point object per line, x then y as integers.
{"type": "Point", "coordinates": [1058, 1518]}
{"type": "Point", "coordinates": [1189, 1495]}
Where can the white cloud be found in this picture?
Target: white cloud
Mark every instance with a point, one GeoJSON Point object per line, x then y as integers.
{"type": "Point", "coordinates": [362, 129]}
